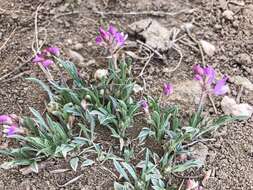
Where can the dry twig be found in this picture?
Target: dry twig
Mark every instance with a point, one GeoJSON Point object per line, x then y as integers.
{"type": "Point", "coordinates": [71, 181]}
{"type": "Point", "coordinates": [12, 33]}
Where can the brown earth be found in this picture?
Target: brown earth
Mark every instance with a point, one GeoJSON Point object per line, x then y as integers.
{"type": "Point", "coordinates": [72, 24]}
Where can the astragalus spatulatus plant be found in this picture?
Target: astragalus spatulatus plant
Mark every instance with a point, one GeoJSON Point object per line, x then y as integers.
{"type": "Point", "coordinates": [77, 110]}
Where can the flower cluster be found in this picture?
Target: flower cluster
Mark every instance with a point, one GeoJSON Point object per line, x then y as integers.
{"type": "Point", "coordinates": [10, 124]}
{"type": "Point", "coordinates": [111, 39]}
{"type": "Point", "coordinates": [207, 78]}
{"type": "Point", "coordinates": [45, 57]}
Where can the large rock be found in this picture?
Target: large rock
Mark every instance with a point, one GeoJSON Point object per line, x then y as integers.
{"type": "Point", "coordinates": [230, 107]}
{"type": "Point", "coordinates": [199, 152]}
{"type": "Point", "coordinates": [153, 32]}
{"type": "Point", "coordinates": [238, 80]}
{"type": "Point", "coordinates": [186, 93]}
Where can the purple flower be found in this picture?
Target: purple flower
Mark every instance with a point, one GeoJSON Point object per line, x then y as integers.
{"type": "Point", "coordinates": [53, 50]}
{"type": "Point", "coordinates": [5, 119]}
{"type": "Point", "coordinates": [210, 74]}
{"type": "Point", "coordinates": [120, 39]}
{"type": "Point", "coordinates": [112, 30]}
{"type": "Point", "coordinates": [221, 88]}
{"type": "Point", "coordinates": [111, 39]}
{"type": "Point", "coordinates": [167, 89]}
{"type": "Point", "coordinates": [11, 130]}
{"type": "Point", "coordinates": [38, 58]}
{"type": "Point", "coordinates": [206, 76]}
{"type": "Point", "coordinates": [46, 63]}
{"type": "Point", "coordinates": [144, 105]}
{"type": "Point", "coordinates": [99, 40]}
{"type": "Point", "coordinates": [104, 34]}
{"type": "Point", "coordinates": [198, 70]}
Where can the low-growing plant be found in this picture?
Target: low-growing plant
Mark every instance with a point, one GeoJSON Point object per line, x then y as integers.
{"type": "Point", "coordinates": [77, 108]}
{"type": "Point", "coordinates": [143, 176]}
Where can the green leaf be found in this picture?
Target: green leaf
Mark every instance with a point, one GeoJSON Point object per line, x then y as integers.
{"type": "Point", "coordinates": [145, 132]}
{"type": "Point", "coordinates": [34, 167]}
{"type": "Point", "coordinates": [130, 170]}
{"type": "Point", "coordinates": [187, 165]}
{"type": "Point", "coordinates": [120, 169]}
{"type": "Point", "coordinates": [74, 163]}
{"type": "Point", "coordinates": [87, 162]}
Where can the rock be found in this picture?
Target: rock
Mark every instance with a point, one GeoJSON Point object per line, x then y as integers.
{"type": "Point", "coordinates": [243, 81]}
{"type": "Point", "coordinates": [137, 88]}
{"type": "Point", "coordinates": [223, 4]}
{"type": "Point", "coordinates": [75, 56]}
{"type": "Point", "coordinates": [186, 93]}
{"type": "Point", "coordinates": [199, 152]}
{"type": "Point", "coordinates": [248, 11]}
{"type": "Point", "coordinates": [243, 59]}
{"type": "Point", "coordinates": [78, 46]}
{"type": "Point", "coordinates": [230, 107]}
{"type": "Point", "coordinates": [227, 14]}
{"type": "Point", "coordinates": [100, 74]}
{"type": "Point", "coordinates": [153, 32]}
{"type": "Point", "coordinates": [208, 48]}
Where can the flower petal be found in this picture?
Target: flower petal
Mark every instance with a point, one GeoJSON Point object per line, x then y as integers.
{"type": "Point", "coordinates": [46, 63]}
{"type": "Point", "coordinates": [221, 88]}
{"type": "Point", "coordinates": [104, 34]}
{"type": "Point", "coordinates": [198, 77]}
{"type": "Point", "coordinates": [38, 58]}
{"type": "Point", "coordinates": [11, 130]}
{"type": "Point", "coordinates": [210, 74]}
{"type": "Point", "coordinates": [167, 89]}
{"type": "Point", "coordinates": [120, 38]}
{"type": "Point", "coordinates": [5, 119]}
{"type": "Point", "coordinates": [53, 50]}
{"type": "Point", "coordinates": [99, 40]}
{"type": "Point", "coordinates": [112, 30]}
{"type": "Point", "coordinates": [197, 69]}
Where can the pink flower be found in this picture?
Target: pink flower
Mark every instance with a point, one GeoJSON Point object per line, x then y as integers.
{"type": "Point", "coordinates": [144, 105]}
{"type": "Point", "coordinates": [11, 130]}
{"type": "Point", "coordinates": [46, 63]}
{"type": "Point", "coordinates": [38, 58]}
{"type": "Point", "coordinates": [111, 38]}
{"type": "Point", "coordinates": [210, 74]}
{"type": "Point", "coordinates": [198, 70]}
{"type": "Point", "coordinates": [53, 50]}
{"type": "Point", "coordinates": [167, 89]}
{"type": "Point", "coordinates": [5, 119]}
{"type": "Point", "coordinates": [221, 88]}
{"type": "Point", "coordinates": [45, 57]}
{"type": "Point", "coordinates": [207, 76]}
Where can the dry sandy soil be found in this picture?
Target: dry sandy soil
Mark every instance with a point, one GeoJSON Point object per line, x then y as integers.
{"type": "Point", "coordinates": [72, 24]}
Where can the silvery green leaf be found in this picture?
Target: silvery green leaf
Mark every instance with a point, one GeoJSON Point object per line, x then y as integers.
{"type": "Point", "coordinates": [145, 132]}
{"type": "Point", "coordinates": [87, 162]}
{"type": "Point", "coordinates": [74, 163]}
{"type": "Point", "coordinates": [130, 170]}
{"type": "Point", "coordinates": [187, 165]}
{"type": "Point", "coordinates": [34, 167]}
{"type": "Point", "coordinates": [120, 169]}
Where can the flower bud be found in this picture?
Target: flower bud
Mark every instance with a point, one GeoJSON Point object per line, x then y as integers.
{"type": "Point", "coordinates": [100, 74]}
{"type": "Point", "coordinates": [84, 104]}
